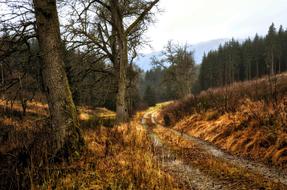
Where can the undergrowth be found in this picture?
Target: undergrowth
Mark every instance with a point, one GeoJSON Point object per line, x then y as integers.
{"type": "Point", "coordinates": [117, 157]}
{"type": "Point", "coordinates": [245, 119]}
{"type": "Point", "coordinates": [236, 177]}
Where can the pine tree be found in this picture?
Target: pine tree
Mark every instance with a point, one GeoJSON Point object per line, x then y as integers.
{"type": "Point", "coordinates": [149, 96]}
{"type": "Point", "coordinates": [282, 49]}
{"type": "Point", "coordinates": [271, 48]}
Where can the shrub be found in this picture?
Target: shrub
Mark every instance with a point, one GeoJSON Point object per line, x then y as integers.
{"type": "Point", "coordinates": [228, 98]}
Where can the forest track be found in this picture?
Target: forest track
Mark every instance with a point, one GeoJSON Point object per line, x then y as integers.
{"type": "Point", "coordinates": [191, 173]}
{"type": "Point", "coordinates": [187, 176]}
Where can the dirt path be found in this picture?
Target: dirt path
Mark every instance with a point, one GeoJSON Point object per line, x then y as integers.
{"type": "Point", "coordinates": [190, 177]}
{"type": "Point", "coordinates": [206, 166]}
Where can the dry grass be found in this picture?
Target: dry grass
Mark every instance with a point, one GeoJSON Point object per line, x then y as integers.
{"type": "Point", "coordinates": [35, 109]}
{"type": "Point", "coordinates": [114, 158]}
{"type": "Point", "coordinates": [236, 177]}
{"type": "Point", "coordinates": [244, 118]}
{"type": "Point", "coordinates": [117, 158]}
{"type": "Point", "coordinates": [17, 132]}
{"type": "Point", "coordinates": [92, 117]}
{"type": "Point", "coordinates": [256, 130]}
{"type": "Point", "coordinates": [229, 98]}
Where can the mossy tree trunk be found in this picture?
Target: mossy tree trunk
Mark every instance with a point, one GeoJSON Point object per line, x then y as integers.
{"type": "Point", "coordinates": [122, 43]}
{"type": "Point", "coordinates": [122, 32]}
{"type": "Point", "coordinates": [64, 120]}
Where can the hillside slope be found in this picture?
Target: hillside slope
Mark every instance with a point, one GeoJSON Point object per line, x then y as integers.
{"type": "Point", "coordinates": [248, 119]}
{"type": "Point", "coordinates": [197, 164]}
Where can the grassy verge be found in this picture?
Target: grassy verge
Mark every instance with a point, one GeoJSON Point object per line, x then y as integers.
{"type": "Point", "coordinates": [256, 130]}
{"type": "Point", "coordinates": [235, 177]}
{"type": "Point", "coordinates": [248, 119]}
{"type": "Point", "coordinates": [115, 158]}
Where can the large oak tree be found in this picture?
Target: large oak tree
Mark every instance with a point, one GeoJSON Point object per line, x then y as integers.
{"type": "Point", "coordinates": [63, 112]}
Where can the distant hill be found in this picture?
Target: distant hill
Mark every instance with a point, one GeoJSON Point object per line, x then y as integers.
{"type": "Point", "coordinates": [144, 61]}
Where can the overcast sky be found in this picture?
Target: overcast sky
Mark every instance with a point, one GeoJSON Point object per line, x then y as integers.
{"type": "Point", "coordinates": [195, 21]}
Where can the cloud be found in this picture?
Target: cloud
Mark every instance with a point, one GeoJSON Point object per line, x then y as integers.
{"type": "Point", "coordinates": [193, 21]}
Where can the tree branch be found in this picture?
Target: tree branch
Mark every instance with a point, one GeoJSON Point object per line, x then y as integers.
{"type": "Point", "coordinates": [131, 28]}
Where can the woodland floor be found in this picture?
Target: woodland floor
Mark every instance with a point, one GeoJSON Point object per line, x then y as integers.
{"type": "Point", "coordinates": [143, 154]}
{"type": "Point", "coordinates": [197, 164]}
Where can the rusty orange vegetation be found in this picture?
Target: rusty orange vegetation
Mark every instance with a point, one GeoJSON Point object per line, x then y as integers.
{"type": "Point", "coordinates": [242, 132]}
{"type": "Point", "coordinates": [255, 128]}
{"type": "Point", "coordinates": [113, 157]}
{"type": "Point", "coordinates": [119, 157]}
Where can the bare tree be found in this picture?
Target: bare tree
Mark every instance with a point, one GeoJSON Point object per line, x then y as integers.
{"type": "Point", "coordinates": [24, 21]}
{"type": "Point", "coordinates": [16, 34]}
{"type": "Point", "coordinates": [114, 29]}
{"type": "Point", "coordinates": [179, 65]}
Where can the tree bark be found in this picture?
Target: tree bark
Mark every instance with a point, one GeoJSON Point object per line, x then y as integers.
{"type": "Point", "coordinates": [64, 120]}
{"type": "Point", "coordinates": [272, 63]}
{"type": "Point", "coordinates": [122, 43]}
